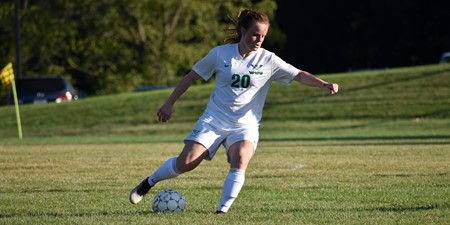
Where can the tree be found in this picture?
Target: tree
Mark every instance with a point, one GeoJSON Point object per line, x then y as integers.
{"type": "Point", "coordinates": [109, 46]}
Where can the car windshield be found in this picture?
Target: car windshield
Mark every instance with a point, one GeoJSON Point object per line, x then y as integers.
{"type": "Point", "coordinates": [40, 85]}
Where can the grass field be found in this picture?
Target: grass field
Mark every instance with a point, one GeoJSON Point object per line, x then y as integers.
{"type": "Point", "coordinates": [295, 182]}
{"type": "Point", "coordinates": [376, 153]}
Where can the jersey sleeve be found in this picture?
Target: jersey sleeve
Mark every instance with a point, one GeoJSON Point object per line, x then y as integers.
{"type": "Point", "coordinates": [206, 66]}
{"type": "Point", "coordinates": [283, 72]}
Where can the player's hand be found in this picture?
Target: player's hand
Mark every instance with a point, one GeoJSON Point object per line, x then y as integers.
{"type": "Point", "coordinates": [164, 113]}
{"type": "Point", "coordinates": [332, 88]}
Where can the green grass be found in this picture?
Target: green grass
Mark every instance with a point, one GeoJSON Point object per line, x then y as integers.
{"type": "Point", "coordinates": [403, 99]}
{"type": "Point", "coordinates": [376, 153]}
{"type": "Point", "coordinates": [295, 182]}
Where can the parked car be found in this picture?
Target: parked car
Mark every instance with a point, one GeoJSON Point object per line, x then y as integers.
{"type": "Point", "coordinates": [445, 58]}
{"type": "Point", "coordinates": [43, 89]}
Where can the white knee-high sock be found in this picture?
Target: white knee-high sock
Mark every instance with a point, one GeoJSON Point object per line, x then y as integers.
{"type": "Point", "coordinates": [166, 171]}
{"type": "Point", "coordinates": [231, 188]}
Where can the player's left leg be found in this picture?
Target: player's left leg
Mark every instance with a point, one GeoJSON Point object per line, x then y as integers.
{"type": "Point", "coordinates": [239, 155]}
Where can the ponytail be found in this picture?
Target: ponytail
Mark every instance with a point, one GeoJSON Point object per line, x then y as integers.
{"type": "Point", "coordinates": [245, 19]}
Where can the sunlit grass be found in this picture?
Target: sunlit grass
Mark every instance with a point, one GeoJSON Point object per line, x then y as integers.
{"type": "Point", "coordinates": [344, 182]}
{"type": "Point", "coordinates": [412, 94]}
{"type": "Point", "coordinates": [376, 153]}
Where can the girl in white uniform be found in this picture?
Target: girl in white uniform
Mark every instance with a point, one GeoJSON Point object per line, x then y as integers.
{"type": "Point", "coordinates": [244, 72]}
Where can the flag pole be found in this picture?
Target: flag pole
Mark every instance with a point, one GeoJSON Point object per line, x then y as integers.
{"type": "Point", "coordinates": [18, 65]}
{"type": "Point", "coordinates": [18, 52]}
{"type": "Point", "coordinates": [7, 77]}
{"type": "Point", "coordinates": [16, 106]}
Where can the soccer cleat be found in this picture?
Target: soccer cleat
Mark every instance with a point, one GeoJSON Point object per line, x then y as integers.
{"type": "Point", "coordinates": [220, 212]}
{"type": "Point", "coordinates": [137, 194]}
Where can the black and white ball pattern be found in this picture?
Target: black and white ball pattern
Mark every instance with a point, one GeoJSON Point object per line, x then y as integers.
{"type": "Point", "coordinates": [169, 201]}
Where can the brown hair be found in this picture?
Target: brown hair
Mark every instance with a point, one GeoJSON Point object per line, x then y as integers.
{"type": "Point", "coordinates": [245, 19]}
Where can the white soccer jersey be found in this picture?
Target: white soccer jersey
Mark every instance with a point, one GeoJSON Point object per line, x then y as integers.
{"type": "Point", "coordinates": [241, 83]}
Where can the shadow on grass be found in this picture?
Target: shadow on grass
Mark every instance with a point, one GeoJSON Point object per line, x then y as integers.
{"type": "Point", "coordinates": [54, 191]}
{"type": "Point", "coordinates": [399, 209]}
{"type": "Point", "coordinates": [395, 209]}
{"type": "Point", "coordinates": [425, 139]}
{"type": "Point", "coordinates": [403, 209]}
{"type": "Point", "coordinates": [78, 214]}
{"type": "Point", "coordinates": [94, 214]}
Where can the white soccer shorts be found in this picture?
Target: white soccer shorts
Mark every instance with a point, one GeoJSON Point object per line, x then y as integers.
{"type": "Point", "coordinates": [211, 133]}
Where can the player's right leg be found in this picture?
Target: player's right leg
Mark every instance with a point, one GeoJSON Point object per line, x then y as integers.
{"type": "Point", "coordinates": [192, 155]}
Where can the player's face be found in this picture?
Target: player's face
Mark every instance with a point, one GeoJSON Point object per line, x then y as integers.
{"type": "Point", "coordinates": [253, 37]}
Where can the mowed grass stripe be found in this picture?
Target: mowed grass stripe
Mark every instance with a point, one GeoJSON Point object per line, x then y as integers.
{"type": "Point", "coordinates": [338, 182]}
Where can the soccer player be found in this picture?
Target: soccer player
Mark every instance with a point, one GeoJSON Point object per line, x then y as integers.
{"type": "Point", "coordinates": [244, 72]}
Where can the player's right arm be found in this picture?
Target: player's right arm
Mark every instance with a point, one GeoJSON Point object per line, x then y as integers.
{"type": "Point", "coordinates": [165, 112]}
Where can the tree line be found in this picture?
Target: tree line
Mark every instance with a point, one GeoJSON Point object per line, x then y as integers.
{"type": "Point", "coordinates": [107, 46]}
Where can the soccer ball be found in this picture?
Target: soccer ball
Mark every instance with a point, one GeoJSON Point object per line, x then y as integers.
{"type": "Point", "coordinates": [169, 201]}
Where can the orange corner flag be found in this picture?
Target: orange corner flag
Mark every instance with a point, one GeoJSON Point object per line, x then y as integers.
{"type": "Point", "coordinates": [7, 74]}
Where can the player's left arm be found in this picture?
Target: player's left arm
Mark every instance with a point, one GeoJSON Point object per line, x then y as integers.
{"type": "Point", "coordinates": [311, 80]}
